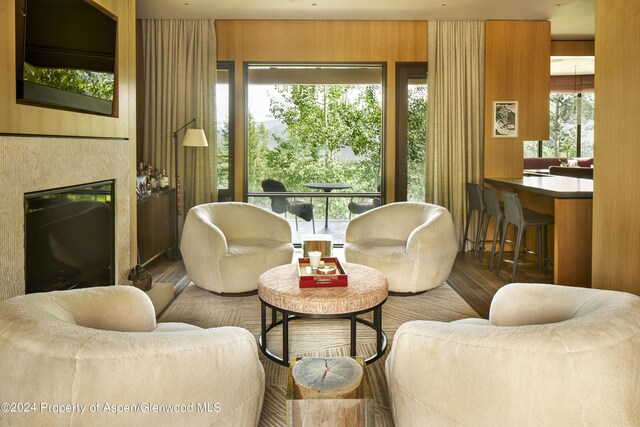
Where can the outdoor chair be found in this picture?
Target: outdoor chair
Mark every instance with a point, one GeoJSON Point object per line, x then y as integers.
{"type": "Point", "coordinates": [282, 205]}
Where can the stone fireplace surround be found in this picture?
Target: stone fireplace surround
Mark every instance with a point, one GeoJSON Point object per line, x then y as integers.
{"type": "Point", "coordinates": [35, 163]}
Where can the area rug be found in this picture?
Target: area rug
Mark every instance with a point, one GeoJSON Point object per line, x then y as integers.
{"type": "Point", "coordinates": [315, 337]}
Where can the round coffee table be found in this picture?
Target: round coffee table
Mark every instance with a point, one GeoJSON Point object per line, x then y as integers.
{"type": "Point", "coordinates": [279, 289]}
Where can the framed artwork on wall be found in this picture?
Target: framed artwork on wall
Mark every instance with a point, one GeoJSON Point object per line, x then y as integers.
{"type": "Point", "coordinates": [505, 119]}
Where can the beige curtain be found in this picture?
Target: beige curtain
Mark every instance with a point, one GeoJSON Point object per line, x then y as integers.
{"type": "Point", "coordinates": [455, 117]}
{"type": "Point", "coordinates": [179, 60]}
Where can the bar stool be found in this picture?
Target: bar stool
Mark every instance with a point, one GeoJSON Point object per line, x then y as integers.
{"type": "Point", "coordinates": [521, 220]}
{"type": "Point", "coordinates": [474, 204]}
{"type": "Point", "coordinates": [493, 210]}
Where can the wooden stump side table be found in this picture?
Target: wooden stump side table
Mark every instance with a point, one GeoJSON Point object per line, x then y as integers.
{"type": "Point", "coordinates": [346, 402]}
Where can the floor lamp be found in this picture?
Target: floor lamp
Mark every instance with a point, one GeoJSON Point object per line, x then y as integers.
{"type": "Point", "coordinates": [193, 138]}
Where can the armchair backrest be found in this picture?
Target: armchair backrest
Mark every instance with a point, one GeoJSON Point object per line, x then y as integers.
{"type": "Point", "coordinates": [114, 308]}
{"type": "Point", "coordinates": [239, 221]}
{"type": "Point", "coordinates": [396, 221]}
{"type": "Point", "coordinates": [524, 304]}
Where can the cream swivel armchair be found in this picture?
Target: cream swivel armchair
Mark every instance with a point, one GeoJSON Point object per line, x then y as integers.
{"type": "Point", "coordinates": [549, 355]}
{"type": "Point", "coordinates": [227, 246]}
{"type": "Point", "coordinates": [101, 346]}
{"type": "Point", "coordinates": [413, 244]}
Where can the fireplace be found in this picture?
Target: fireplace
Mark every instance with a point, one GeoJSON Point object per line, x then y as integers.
{"type": "Point", "coordinates": [69, 237]}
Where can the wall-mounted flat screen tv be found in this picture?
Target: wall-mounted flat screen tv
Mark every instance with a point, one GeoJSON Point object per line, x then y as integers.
{"type": "Point", "coordinates": [66, 55]}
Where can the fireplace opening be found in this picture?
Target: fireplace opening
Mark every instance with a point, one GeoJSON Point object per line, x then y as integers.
{"type": "Point", "coordinates": [69, 237]}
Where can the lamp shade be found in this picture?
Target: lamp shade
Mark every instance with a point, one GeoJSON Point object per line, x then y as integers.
{"type": "Point", "coordinates": [195, 138]}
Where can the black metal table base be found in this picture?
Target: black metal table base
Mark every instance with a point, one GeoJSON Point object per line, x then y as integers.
{"type": "Point", "coordinates": [287, 316]}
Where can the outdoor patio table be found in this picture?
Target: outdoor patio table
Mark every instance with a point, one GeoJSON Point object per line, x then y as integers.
{"type": "Point", "coordinates": [327, 187]}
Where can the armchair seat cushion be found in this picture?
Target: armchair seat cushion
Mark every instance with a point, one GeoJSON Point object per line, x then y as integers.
{"type": "Point", "coordinates": [247, 259]}
{"type": "Point", "coordinates": [257, 248]}
{"type": "Point", "coordinates": [378, 250]}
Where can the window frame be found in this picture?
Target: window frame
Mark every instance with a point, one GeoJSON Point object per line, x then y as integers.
{"type": "Point", "coordinates": [227, 194]}
{"type": "Point", "coordinates": [404, 72]}
{"type": "Point", "coordinates": [246, 194]}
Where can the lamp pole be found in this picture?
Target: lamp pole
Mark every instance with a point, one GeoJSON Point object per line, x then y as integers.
{"type": "Point", "coordinates": [175, 255]}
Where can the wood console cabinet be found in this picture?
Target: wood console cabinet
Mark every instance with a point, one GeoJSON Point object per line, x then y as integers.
{"type": "Point", "coordinates": [156, 221]}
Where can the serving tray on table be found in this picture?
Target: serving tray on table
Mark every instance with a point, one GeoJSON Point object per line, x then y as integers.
{"type": "Point", "coordinates": [322, 278]}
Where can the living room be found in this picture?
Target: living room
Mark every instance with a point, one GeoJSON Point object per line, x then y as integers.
{"type": "Point", "coordinates": [51, 148]}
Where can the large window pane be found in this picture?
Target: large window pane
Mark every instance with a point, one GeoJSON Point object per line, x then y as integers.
{"type": "Point", "coordinates": [570, 127]}
{"type": "Point", "coordinates": [315, 123]}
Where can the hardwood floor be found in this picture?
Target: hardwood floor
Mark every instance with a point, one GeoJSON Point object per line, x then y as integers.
{"type": "Point", "coordinates": [469, 278]}
{"type": "Point", "coordinates": [477, 286]}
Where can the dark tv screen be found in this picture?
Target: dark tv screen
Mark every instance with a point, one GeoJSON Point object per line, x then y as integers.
{"type": "Point", "coordinates": [66, 55]}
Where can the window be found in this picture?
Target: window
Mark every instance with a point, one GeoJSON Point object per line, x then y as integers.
{"type": "Point", "coordinates": [571, 119]}
{"type": "Point", "coordinates": [314, 123]}
{"type": "Point", "coordinates": [224, 130]}
{"type": "Point", "coordinates": [570, 127]}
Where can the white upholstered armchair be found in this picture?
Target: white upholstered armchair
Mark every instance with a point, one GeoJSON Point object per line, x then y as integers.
{"type": "Point", "coordinates": [413, 244]}
{"type": "Point", "coordinates": [549, 355]}
{"type": "Point", "coordinates": [227, 246]}
{"type": "Point", "coordinates": [102, 346]}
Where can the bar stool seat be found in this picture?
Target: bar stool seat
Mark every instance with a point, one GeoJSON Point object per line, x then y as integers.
{"type": "Point", "coordinates": [474, 204]}
{"type": "Point", "coordinates": [522, 219]}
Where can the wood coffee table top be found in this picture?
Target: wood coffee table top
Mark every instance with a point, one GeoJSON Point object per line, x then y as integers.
{"type": "Point", "coordinates": [280, 287]}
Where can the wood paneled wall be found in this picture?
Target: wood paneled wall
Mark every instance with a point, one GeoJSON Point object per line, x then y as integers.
{"type": "Point", "coordinates": [517, 64]}
{"type": "Point", "coordinates": [26, 119]}
{"type": "Point", "coordinates": [572, 48]}
{"type": "Point", "coordinates": [321, 41]}
{"type": "Point", "coordinates": [616, 229]}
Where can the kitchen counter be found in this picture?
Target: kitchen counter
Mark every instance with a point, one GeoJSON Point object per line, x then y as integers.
{"type": "Point", "coordinates": [558, 187]}
{"type": "Point", "coordinates": [570, 201]}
